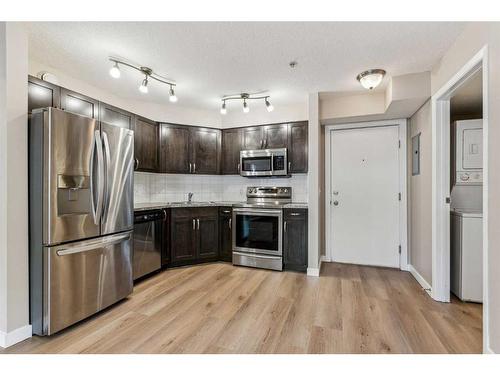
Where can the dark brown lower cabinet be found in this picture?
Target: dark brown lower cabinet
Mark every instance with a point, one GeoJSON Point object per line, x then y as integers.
{"type": "Point", "coordinates": [182, 234]}
{"type": "Point", "coordinates": [225, 234]}
{"type": "Point", "coordinates": [194, 235]}
{"type": "Point", "coordinates": [295, 239]}
{"type": "Point", "coordinates": [165, 243]}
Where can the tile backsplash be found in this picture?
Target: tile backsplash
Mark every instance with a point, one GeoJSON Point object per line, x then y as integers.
{"type": "Point", "coordinates": [153, 187]}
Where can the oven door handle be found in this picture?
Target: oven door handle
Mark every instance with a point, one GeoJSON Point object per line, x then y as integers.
{"type": "Point", "coordinates": [254, 211]}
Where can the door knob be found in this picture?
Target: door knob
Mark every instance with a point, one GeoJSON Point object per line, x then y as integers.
{"type": "Point", "coordinates": [335, 203]}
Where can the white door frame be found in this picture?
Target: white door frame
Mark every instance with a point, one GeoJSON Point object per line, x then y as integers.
{"type": "Point", "coordinates": [403, 235]}
{"type": "Point", "coordinates": [441, 183]}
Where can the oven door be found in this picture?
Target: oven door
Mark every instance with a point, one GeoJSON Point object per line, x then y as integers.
{"type": "Point", "coordinates": [258, 231]}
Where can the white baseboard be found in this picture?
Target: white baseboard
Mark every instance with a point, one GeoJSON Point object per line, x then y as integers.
{"type": "Point", "coordinates": [10, 338]}
{"type": "Point", "coordinates": [313, 272]}
{"type": "Point", "coordinates": [325, 258]}
{"type": "Point", "coordinates": [423, 283]}
{"type": "Point", "coordinates": [488, 350]}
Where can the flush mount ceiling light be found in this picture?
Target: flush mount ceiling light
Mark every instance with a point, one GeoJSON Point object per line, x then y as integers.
{"type": "Point", "coordinates": [371, 78]}
{"type": "Point", "coordinates": [147, 72]}
{"type": "Point", "coordinates": [246, 97]}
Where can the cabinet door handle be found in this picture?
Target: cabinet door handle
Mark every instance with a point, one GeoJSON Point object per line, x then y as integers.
{"type": "Point", "coordinates": [285, 226]}
{"type": "Point", "coordinates": [230, 223]}
{"type": "Point", "coordinates": [164, 215]}
{"type": "Point", "coordinates": [136, 164]}
{"type": "Point", "coordinates": [289, 166]}
{"type": "Point", "coordinates": [238, 167]}
{"type": "Point", "coordinates": [194, 224]}
{"type": "Point", "coordinates": [198, 224]}
{"type": "Point", "coordinates": [190, 167]}
{"type": "Point", "coordinates": [194, 167]}
{"type": "Point", "coordinates": [262, 143]}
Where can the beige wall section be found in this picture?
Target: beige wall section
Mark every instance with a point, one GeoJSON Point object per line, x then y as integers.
{"type": "Point", "coordinates": [314, 188]}
{"type": "Point", "coordinates": [420, 195]}
{"type": "Point", "coordinates": [473, 38]}
{"type": "Point", "coordinates": [14, 289]}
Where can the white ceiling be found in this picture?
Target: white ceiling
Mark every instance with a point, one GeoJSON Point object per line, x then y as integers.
{"type": "Point", "coordinates": [211, 59]}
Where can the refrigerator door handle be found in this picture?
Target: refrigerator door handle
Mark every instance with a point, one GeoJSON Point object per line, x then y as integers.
{"type": "Point", "coordinates": [97, 207]}
{"type": "Point", "coordinates": [107, 195]}
{"type": "Point", "coordinates": [66, 250]}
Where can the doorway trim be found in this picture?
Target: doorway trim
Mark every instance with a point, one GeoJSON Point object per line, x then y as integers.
{"type": "Point", "coordinates": [441, 183]}
{"type": "Point", "coordinates": [403, 207]}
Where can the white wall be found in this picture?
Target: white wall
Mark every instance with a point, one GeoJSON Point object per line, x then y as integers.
{"type": "Point", "coordinates": [259, 115]}
{"type": "Point", "coordinates": [420, 195]}
{"type": "Point", "coordinates": [152, 187]}
{"type": "Point", "coordinates": [162, 112]}
{"type": "Point", "coordinates": [473, 38]}
{"type": "Point", "coordinates": [14, 288]}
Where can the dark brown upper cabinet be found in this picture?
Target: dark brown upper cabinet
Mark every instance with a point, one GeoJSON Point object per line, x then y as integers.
{"type": "Point", "coordinates": [116, 116]}
{"type": "Point", "coordinates": [275, 136]}
{"type": "Point", "coordinates": [42, 94]}
{"type": "Point", "coordinates": [189, 149]}
{"type": "Point", "coordinates": [297, 147]}
{"type": "Point", "coordinates": [80, 104]}
{"type": "Point", "coordinates": [231, 146]}
{"type": "Point", "coordinates": [252, 138]}
{"type": "Point", "coordinates": [205, 150]}
{"type": "Point", "coordinates": [174, 149]}
{"type": "Point", "coordinates": [146, 145]}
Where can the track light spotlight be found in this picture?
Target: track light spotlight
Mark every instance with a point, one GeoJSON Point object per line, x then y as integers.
{"type": "Point", "coordinates": [172, 97]}
{"type": "Point", "coordinates": [144, 86]}
{"type": "Point", "coordinates": [269, 106]}
{"type": "Point", "coordinates": [115, 71]}
{"type": "Point", "coordinates": [246, 108]}
{"type": "Point", "coordinates": [223, 109]}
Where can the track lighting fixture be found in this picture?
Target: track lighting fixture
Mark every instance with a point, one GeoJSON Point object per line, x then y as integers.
{"type": "Point", "coordinates": [223, 109]}
{"type": "Point", "coordinates": [144, 86]}
{"type": "Point", "coordinates": [148, 73]}
{"type": "Point", "coordinates": [245, 97]}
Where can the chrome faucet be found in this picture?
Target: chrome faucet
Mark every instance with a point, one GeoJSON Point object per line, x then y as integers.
{"type": "Point", "coordinates": [190, 197]}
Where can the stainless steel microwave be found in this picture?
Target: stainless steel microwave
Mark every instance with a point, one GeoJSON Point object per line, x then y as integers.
{"type": "Point", "coordinates": [268, 162]}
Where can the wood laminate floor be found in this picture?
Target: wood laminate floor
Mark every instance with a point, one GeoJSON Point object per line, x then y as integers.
{"type": "Point", "coordinates": [218, 308]}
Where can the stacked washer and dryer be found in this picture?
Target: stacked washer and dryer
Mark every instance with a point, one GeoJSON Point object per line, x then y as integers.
{"type": "Point", "coordinates": [466, 210]}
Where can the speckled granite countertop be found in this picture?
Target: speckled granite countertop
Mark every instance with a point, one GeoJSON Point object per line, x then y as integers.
{"type": "Point", "coordinates": [160, 205]}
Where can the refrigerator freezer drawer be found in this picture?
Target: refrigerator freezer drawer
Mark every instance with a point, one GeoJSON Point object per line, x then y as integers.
{"type": "Point", "coordinates": [85, 277]}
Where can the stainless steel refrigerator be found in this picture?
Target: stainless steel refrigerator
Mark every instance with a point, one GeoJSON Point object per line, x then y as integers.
{"type": "Point", "coordinates": [81, 217]}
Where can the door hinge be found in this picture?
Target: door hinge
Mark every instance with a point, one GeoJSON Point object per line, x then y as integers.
{"type": "Point", "coordinates": [399, 249]}
{"type": "Point", "coordinates": [399, 196]}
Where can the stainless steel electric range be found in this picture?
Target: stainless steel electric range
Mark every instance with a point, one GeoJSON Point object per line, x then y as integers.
{"type": "Point", "coordinates": [258, 228]}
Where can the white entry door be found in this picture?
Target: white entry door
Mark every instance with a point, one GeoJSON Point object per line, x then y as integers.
{"type": "Point", "coordinates": [365, 196]}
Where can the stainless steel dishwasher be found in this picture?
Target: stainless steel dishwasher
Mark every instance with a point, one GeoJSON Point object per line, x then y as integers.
{"type": "Point", "coordinates": [147, 242]}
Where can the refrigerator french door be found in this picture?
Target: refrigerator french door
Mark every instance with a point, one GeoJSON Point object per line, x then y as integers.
{"type": "Point", "coordinates": [81, 217]}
